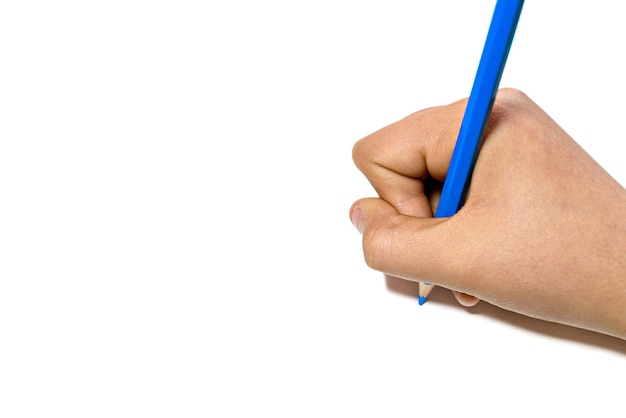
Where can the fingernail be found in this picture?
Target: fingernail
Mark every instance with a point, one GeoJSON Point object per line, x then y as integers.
{"type": "Point", "coordinates": [357, 219]}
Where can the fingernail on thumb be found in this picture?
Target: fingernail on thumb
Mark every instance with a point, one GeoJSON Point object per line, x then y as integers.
{"type": "Point", "coordinates": [357, 219]}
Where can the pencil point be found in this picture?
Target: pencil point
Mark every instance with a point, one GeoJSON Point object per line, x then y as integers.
{"type": "Point", "coordinates": [424, 291]}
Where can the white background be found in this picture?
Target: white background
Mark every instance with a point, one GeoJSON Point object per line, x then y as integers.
{"type": "Point", "coordinates": [175, 179]}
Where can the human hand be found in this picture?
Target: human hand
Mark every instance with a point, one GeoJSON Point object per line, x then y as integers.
{"type": "Point", "coordinates": [542, 231]}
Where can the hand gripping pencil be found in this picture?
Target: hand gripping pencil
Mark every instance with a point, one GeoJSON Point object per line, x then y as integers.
{"type": "Point", "coordinates": [490, 68]}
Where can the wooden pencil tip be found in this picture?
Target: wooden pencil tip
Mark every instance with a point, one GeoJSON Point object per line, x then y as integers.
{"type": "Point", "coordinates": [421, 300]}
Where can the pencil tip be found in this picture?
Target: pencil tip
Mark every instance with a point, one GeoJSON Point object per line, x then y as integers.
{"type": "Point", "coordinates": [421, 300]}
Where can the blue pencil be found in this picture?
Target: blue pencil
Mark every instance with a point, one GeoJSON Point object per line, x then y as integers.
{"type": "Point", "coordinates": [495, 52]}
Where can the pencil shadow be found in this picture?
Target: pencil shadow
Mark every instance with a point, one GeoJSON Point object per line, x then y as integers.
{"type": "Point", "coordinates": [551, 329]}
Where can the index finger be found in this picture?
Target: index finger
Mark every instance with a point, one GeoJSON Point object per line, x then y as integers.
{"type": "Point", "coordinates": [400, 157]}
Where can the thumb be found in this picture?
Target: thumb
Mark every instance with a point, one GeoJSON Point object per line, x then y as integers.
{"type": "Point", "coordinates": [413, 248]}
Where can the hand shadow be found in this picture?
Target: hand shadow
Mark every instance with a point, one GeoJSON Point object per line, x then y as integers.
{"type": "Point", "coordinates": [445, 297]}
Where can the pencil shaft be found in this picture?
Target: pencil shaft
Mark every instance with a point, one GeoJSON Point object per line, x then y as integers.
{"type": "Point", "coordinates": [480, 102]}
{"type": "Point", "coordinates": [495, 52]}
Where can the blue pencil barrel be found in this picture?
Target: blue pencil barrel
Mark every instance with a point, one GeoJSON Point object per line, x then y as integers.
{"type": "Point", "coordinates": [490, 68]}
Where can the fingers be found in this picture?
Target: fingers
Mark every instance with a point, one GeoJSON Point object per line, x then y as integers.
{"type": "Point", "coordinates": [406, 162]}
{"type": "Point", "coordinates": [408, 247]}
{"type": "Point", "coordinates": [465, 299]}
{"type": "Point", "coordinates": [400, 157]}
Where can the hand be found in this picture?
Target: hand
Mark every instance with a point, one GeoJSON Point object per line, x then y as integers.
{"type": "Point", "coordinates": [542, 231]}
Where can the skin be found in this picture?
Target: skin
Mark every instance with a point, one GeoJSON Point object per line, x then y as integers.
{"type": "Point", "coordinates": [542, 231]}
